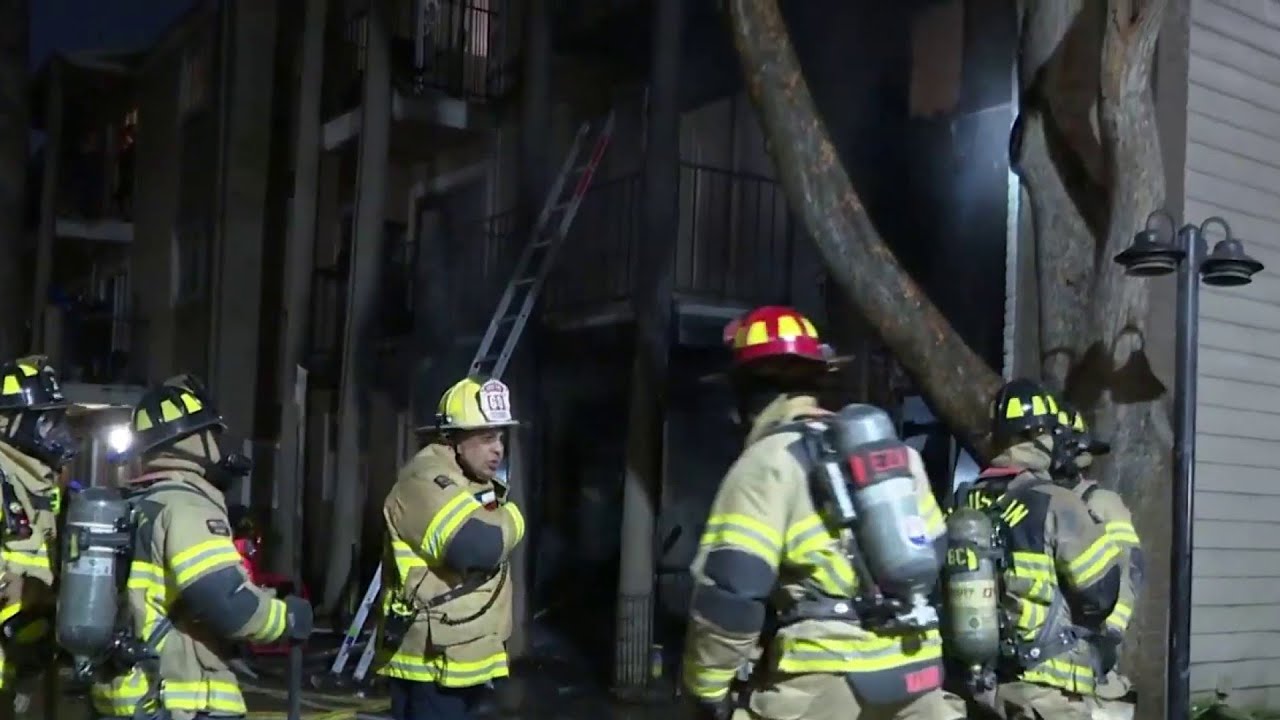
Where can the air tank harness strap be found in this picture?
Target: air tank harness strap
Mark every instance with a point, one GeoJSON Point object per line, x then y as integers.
{"type": "Point", "coordinates": [1055, 637]}
{"type": "Point", "coordinates": [147, 658]}
{"type": "Point", "coordinates": [819, 608]}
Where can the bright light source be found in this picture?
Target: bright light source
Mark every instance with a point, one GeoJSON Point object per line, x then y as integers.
{"type": "Point", "coordinates": [119, 438]}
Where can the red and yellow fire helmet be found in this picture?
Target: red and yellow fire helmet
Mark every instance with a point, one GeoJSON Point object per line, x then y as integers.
{"type": "Point", "coordinates": [774, 332]}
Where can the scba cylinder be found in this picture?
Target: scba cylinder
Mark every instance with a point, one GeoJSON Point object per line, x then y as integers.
{"type": "Point", "coordinates": [94, 540]}
{"type": "Point", "coordinates": [972, 627]}
{"type": "Point", "coordinates": [889, 528]}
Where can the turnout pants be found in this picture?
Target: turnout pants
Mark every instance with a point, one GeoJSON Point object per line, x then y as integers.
{"type": "Point", "coordinates": [428, 701]}
{"type": "Point", "coordinates": [829, 697]}
{"type": "Point", "coordinates": [1027, 701]}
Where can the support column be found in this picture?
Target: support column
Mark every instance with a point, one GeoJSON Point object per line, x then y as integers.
{"type": "Point", "coordinates": [48, 204]}
{"type": "Point", "coordinates": [535, 138]}
{"type": "Point", "coordinates": [299, 264]}
{"type": "Point", "coordinates": [362, 290]}
{"type": "Point", "coordinates": [236, 290]}
{"type": "Point", "coordinates": [652, 301]}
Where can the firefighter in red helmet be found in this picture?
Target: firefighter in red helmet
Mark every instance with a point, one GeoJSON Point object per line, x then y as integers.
{"type": "Point", "coordinates": [791, 615]}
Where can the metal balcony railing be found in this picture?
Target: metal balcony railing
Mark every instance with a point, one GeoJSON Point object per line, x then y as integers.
{"type": "Point", "coordinates": [465, 49]}
{"type": "Point", "coordinates": [734, 244]}
{"type": "Point", "coordinates": [95, 178]}
{"type": "Point", "coordinates": [95, 345]}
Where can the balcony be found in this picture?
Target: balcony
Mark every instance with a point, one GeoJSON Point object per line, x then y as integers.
{"type": "Point", "coordinates": [92, 343]}
{"type": "Point", "coordinates": [735, 247]}
{"type": "Point", "coordinates": [94, 199]}
{"type": "Point", "coordinates": [451, 61]}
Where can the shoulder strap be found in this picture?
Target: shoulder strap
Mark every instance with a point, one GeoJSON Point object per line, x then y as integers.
{"type": "Point", "coordinates": [1088, 492]}
{"type": "Point", "coordinates": [803, 450]}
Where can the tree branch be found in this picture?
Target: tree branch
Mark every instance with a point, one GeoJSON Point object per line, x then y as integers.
{"type": "Point", "coordinates": [1127, 390]}
{"type": "Point", "coordinates": [954, 379]}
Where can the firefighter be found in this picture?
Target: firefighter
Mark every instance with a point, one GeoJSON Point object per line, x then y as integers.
{"type": "Point", "coordinates": [1109, 510]}
{"type": "Point", "coordinates": [1061, 576]}
{"type": "Point", "coordinates": [450, 533]}
{"type": "Point", "coordinates": [775, 631]}
{"type": "Point", "coordinates": [35, 443]}
{"type": "Point", "coordinates": [188, 595]}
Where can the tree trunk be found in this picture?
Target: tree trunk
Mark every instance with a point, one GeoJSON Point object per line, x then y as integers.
{"type": "Point", "coordinates": [14, 128]}
{"type": "Point", "coordinates": [1087, 151]}
{"type": "Point", "coordinates": [954, 378]}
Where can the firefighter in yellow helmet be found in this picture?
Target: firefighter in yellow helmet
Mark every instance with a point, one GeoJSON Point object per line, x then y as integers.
{"type": "Point", "coordinates": [1109, 510]}
{"type": "Point", "coordinates": [450, 533]}
{"type": "Point", "coordinates": [188, 593]}
{"type": "Point", "coordinates": [810, 600]}
{"type": "Point", "coordinates": [1060, 577]}
{"type": "Point", "coordinates": [35, 443]}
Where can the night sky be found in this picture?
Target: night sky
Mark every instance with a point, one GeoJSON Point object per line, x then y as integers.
{"type": "Point", "coordinates": [111, 25]}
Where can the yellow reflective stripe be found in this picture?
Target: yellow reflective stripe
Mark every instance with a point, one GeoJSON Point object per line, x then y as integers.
{"type": "Point", "coordinates": [1024, 560]}
{"type": "Point", "coordinates": [148, 578]}
{"type": "Point", "coordinates": [1093, 562]}
{"type": "Point", "coordinates": [1122, 533]}
{"type": "Point", "coordinates": [121, 696]}
{"type": "Point", "coordinates": [1120, 616]}
{"type": "Point", "coordinates": [805, 537]}
{"type": "Point", "coordinates": [931, 514]}
{"type": "Point", "coordinates": [872, 654]}
{"type": "Point", "coordinates": [446, 523]}
{"type": "Point", "coordinates": [32, 632]}
{"type": "Point", "coordinates": [36, 559]}
{"type": "Point", "coordinates": [202, 558]}
{"type": "Point", "coordinates": [145, 576]}
{"type": "Point", "coordinates": [406, 556]}
{"type": "Point", "coordinates": [743, 532]}
{"type": "Point", "coordinates": [8, 611]}
{"type": "Point", "coordinates": [277, 619]}
{"type": "Point", "coordinates": [203, 695]}
{"type": "Point", "coordinates": [442, 671]}
{"type": "Point", "coordinates": [1060, 672]}
{"type": "Point", "coordinates": [517, 519]}
{"type": "Point", "coordinates": [708, 683]}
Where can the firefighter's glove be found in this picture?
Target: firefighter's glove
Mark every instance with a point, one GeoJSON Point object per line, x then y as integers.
{"type": "Point", "coordinates": [301, 619]}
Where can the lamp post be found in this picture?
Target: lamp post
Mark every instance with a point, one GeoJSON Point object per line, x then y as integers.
{"type": "Point", "coordinates": [1159, 251]}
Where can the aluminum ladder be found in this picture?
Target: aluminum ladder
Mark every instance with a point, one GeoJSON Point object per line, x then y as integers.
{"type": "Point", "coordinates": [509, 320]}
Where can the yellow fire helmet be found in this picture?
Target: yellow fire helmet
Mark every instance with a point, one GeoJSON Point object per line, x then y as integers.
{"type": "Point", "coordinates": [475, 404]}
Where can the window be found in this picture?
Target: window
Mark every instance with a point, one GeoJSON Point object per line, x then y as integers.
{"type": "Point", "coordinates": [194, 80]}
{"type": "Point", "coordinates": [358, 36]}
{"type": "Point", "coordinates": [189, 263]}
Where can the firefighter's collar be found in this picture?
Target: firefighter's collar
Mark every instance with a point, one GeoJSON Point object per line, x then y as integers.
{"type": "Point", "coordinates": [781, 410]}
{"type": "Point", "coordinates": [447, 458]}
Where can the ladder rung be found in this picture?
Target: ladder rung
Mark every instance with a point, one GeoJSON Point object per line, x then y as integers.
{"type": "Point", "coordinates": [542, 243]}
{"type": "Point", "coordinates": [507, 319]}
{"type": "Point", "coordinates": [526, 280]}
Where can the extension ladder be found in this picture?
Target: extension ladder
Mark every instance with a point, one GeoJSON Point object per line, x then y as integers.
{"type": "Point", "coordinates": [509, 320]}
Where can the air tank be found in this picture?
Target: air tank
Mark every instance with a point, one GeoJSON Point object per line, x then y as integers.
{"type": "Point", "coordinates": [891, 534]}
{"type": "Point", "coordinates": [972, 625]}
{"type": "Point", "coordinates": [95, 544]}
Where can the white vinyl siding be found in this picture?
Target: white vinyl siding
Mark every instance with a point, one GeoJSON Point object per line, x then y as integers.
{"type": "Point", "coordinates": [1233, 170]}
